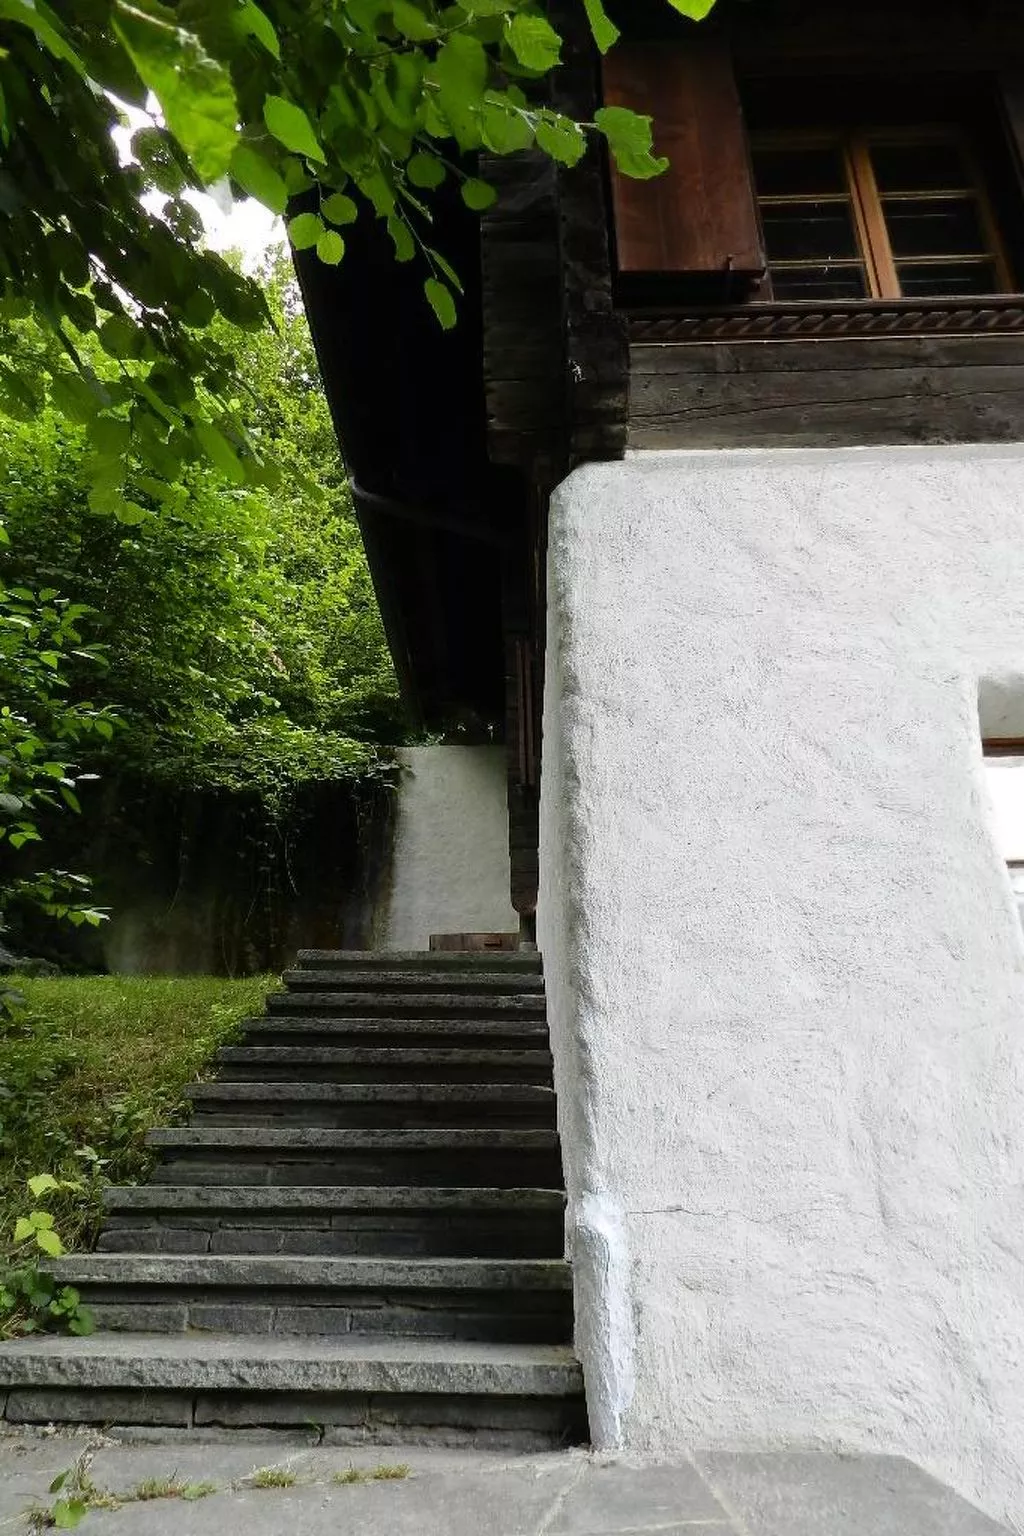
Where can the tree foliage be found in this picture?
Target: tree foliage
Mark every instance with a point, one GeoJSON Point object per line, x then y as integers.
{"type": "Point", "coordinates": [366, 106]}
{"type": "Point", "coordinates": [242, 643]}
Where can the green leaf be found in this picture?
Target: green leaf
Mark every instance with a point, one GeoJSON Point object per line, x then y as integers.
{"type": "Point", "coordinates": [401, 239]}
{"type": "Point", "coordinates": [695, 9]}
{"type": "Point", "coordinates": [250, 21]}
{"type": "Point", "coordinates": [411, 22]}
{"type": "Point", "coordinates": [292, 128]}
{"type": "Point", "coordinates": [330, 247]}
{"type": "Point", "coordinates": [562, 139]}
{"type": "Point", "coordinates": [259, 178]}
{"type": "Point", "coordinates": [629, 139]}
{"type": "Point", "coordinates": [46, 26]}
{"type": "Point", "coordinates": [220, 452]}
{"type": "Point", "coordinates": [460, 73]}
{"type": "Point", "coordinates": [23, 1230]}
{"type": "Point", "coordinates": [194, 90]}
{"type": "Point", "coordinates": [425, 170]}
{"type": "Point", "coordinates": [534, 42]}
{"type": "Point", "coordinates": [339, 209]}
{"type": "Point", "coordinates": [477, 194]}
{"type": "Point", "coordinates": [504, 127]}
{"type": "Point", "coordinates": [43, 1183]}
{"type": "Point", "coordinates": [49, 1242]}
{"type": "Point", "coordinates": [441, 302]}
{"type": "Point", "coordinates": [601, 25]}
{"type": "Point", "coordinates": [128, 512]}
{"type": "Point", "coordinates": [305, 230]}
{"type": "Point", "coordinates": [67, 1513]}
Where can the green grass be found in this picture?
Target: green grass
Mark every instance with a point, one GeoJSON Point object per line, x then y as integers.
{"type": "Point", "coordinates": [89, 1066]}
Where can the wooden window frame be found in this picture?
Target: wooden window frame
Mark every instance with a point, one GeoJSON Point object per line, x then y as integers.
{"type": "Point", "coordinates": [865, 199]}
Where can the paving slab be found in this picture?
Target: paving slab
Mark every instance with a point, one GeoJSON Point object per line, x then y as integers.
{"type": "Point", "coordinates": [814, 1494]}
{"type": "Point", "coordinates": [466, 1493]}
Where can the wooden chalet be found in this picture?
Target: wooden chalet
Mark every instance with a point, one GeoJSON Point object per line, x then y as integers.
{"type": "Point", "coordinates": [835, 256]}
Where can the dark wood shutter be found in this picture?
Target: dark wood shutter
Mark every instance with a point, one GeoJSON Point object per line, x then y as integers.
{"type": "Point", "coordinates": [700, 216]}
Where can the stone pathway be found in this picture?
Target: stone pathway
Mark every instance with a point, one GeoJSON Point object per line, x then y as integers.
{"type": "Point", "coordinates": [435, 1492]}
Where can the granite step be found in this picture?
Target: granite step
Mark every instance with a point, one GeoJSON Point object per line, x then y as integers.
{"type": "Point", "coordinates": [421, 982]}
{"type": "Point", "coordinates": [387, 1221]}
{"type": "Point", "coordinates": [429, 962]}
{"type": "Point", "coordinates": [442, 1034]}
{"type": "Point", "coordinates": [388, 1064]}
{"type": "Point", "coordinates": [379, 1105]}
{"type": "Point", "coordinates": [501, 1300]}
{"type": "Point", "coordinates": [328, 995]}
{"type": "Point", "coordinates": [309, 1155]}
{"type": "Point", "coordinates": [380, 1390]}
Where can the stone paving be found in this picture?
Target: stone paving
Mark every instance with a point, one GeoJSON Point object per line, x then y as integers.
{"type": "Point", "coordinates": [436, 1492]}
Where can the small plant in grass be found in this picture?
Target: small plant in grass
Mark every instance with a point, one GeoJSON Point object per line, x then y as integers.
{"type": "Point", "coordinates": [76, 1495]}
{"type": "Point", "coordinates": [273, 1477]}
{"type": "Point", "coordinates": [387, 1472]}
{"type": "Point", "coordinates": [168, 1488]}
{"type": "Point", "coordinates": [31, 1300]}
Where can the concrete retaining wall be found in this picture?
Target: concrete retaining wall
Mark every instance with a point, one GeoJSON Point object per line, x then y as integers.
{"type": "Point", "coordinates": [450, 867]}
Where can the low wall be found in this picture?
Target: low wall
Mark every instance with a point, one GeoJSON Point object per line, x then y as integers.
{"type": "Point", "coordinates": [785, 972]}
{"type": "Point", "coordinates": [450, 867]}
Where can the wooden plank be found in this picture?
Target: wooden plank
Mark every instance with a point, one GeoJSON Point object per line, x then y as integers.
{"type": "Point", "coordinates": [817, 408]}
{"type": "Point", "coordinates": [701, 215]}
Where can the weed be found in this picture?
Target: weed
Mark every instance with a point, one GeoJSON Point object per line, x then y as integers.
{"type": "Point", "coordinates": [272, 1477]}
{"type": "Point", "coordinates": [385, 1473]}
{"type": "Point", "coordinates": [167, 1488]}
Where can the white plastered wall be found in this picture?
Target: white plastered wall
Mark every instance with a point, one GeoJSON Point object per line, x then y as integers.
{"type": "Point", "coordinates": [785, 972]}
{"type": "Point", "coordinates": [450, 867]}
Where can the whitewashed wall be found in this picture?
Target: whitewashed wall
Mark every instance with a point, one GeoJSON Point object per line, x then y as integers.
{"type": "Point", "coordinates": [450, 869]}
{"type": "Point", "coordinates": [785, 972]}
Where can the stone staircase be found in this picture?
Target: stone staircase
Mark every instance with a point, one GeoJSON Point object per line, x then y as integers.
{"type": "Point", "coordinates": [361, 1227]}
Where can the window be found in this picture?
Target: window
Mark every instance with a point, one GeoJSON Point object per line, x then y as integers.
{"type": "Point", "coordinates": [1004, 774]}
{"type": "Point", "coordinates": [875, 214]}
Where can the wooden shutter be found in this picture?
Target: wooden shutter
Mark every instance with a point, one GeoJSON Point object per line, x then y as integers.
{"type": "Point", "coordinates": [700, 215]}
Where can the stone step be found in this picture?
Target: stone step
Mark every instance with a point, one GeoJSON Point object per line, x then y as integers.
{"type": "Point", "coordinates": [307, 1155]}
{"type": "Point", "coordinates": [389, 1064]}
{"type": "Point", "coordinates": [429, 962]}
{"type": "Point", "coordinates": [502, 1300]}
{"type": "Point", "coordinates": [444, 1034]}
{"type": "Point", "coordinates": [474, 983]}
{"type": "Point", "coordinates": [368, 1220]}
{"type": "Point", "coordinates": [325, 998]}
{"type": "Point", "coordinates": [409, 1105]}
{"type": "Point", "coordinates": [382, 1390]}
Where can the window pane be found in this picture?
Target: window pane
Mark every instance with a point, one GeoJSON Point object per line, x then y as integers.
{"type": "Point", "coordinates": [824, 282]}
{"type": "Point", "coordinates": [934, 226]}
{"type": "Point", "coordinates": [1005, 777]}
{"type": "Point", "coordinates": [798, 172]}
{"type": "Point", "coordinates": [920, 167]}
{"type": "Point", "coordinates": [803, 231]}
{"type": "Point", "coordinates": [947, 278]}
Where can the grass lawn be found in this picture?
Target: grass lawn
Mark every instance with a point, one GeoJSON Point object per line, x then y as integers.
{"type": "Point", "coordinates": [89, 1066]}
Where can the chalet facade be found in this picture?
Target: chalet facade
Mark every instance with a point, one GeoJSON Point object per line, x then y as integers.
{"type": "Point", "coordinates": [712, 510]}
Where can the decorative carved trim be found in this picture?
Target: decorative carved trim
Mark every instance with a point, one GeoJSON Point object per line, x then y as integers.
{"type": "Point", "coordinates": [999, 316]}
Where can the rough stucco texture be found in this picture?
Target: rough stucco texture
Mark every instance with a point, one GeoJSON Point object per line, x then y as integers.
{"type": "Point", "coordinates": [785, 972]}
{"type": "Point", "coordinates": [450, 864]}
